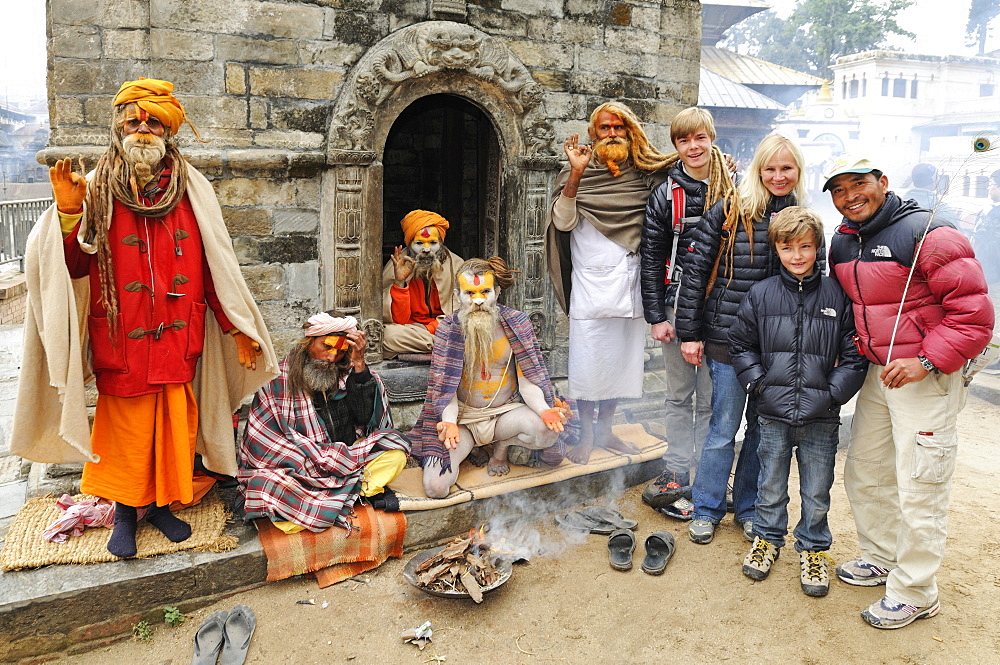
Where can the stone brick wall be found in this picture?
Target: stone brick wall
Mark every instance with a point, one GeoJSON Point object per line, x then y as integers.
{"type": "Point", "coordinates": [13, 298]}
{"type": "Point", "coordinates": [261, 79]}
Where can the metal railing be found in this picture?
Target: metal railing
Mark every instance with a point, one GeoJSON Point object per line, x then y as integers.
{"type": "Point", "coordinates": [16, 220]}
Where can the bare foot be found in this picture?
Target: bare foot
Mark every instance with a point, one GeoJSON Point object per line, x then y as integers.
{"type": "Point", "coordinates": [478, 457]}
{"type": "Point", "coordinates": [607, 439]}
{"type": "Point", "coordinates": [580, 453]}
{"type": "Point", "coordinates": [498, 467]}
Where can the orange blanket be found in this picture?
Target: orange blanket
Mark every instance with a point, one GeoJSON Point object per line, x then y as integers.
{"type": "Point", "coordinates": [335, 554]}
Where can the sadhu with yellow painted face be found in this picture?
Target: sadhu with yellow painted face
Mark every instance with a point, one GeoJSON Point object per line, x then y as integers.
{"type": "Point", "coordinates": [418, 284]}
{"type": "Point", "coordinates": [155, 272]}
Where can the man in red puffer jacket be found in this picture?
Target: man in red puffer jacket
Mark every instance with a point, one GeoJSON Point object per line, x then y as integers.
{"type": "Point", "coordinates": [921, 309]}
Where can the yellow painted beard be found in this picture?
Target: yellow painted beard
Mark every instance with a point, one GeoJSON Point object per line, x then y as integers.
{"type": "Point", "coordinates": [612, 151]}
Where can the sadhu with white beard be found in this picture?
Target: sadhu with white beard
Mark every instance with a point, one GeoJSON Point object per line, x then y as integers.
{"type": "Point", "coordinates": [162, 287]}
{"type": "Point", "coordinates": [592, 250]}
{"type": "Point", "coordinates": [488, 385]}
{"type": "Point", "coordinates": [418, 285]}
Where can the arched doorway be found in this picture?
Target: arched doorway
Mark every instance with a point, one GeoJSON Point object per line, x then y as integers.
{"type": "Point", "coordinates": [442, 154]}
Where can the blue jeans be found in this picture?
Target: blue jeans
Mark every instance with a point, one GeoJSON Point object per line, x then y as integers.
{"type": "Point", "coordinates": [709, 490]}
{"type": "Point", "coordinates": [816, 452]}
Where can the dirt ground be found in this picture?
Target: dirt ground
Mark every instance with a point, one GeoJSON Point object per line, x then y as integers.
{"type": "Point", "coordinates": [568, 606]}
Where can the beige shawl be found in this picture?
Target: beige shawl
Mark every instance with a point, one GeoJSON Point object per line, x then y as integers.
{"type": "Point", "coordinates": [615, 206]}
{"type": "Point", "coordinates": [50, 417]}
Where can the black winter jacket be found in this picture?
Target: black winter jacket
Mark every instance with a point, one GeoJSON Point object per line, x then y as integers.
{"type": "Point", "coordinates": [658, 239]}
{"type": "Point", "coordinates": [792, 343]}
{"type": "Point", "coordinates": [708, 320]}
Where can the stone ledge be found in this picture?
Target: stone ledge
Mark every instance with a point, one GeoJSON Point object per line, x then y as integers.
{"type": "Point", "coordinates": [235, 159]}
{"type": "Point", "coordinates": [12, 285]}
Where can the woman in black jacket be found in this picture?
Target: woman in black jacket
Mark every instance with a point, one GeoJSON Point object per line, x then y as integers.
{"type": "Point", "coordinates": [728, 254]}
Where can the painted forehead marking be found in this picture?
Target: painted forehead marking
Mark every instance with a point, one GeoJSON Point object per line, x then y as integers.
{"type": "Point", "coordinates": [425, 233]}
{"type": "Point", "coordinates": [475, 280]}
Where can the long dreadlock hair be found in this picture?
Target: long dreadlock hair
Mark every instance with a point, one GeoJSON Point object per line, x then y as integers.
{"type": "Point", "coordinates": [751, 197]}
{"type": "Point", "coordinates": [113, 180]}
{"type": "Point", "coordinates": [644, 156]}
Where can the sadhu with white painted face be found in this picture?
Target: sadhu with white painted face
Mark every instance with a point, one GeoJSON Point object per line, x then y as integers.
{"type": "Point", "coordinates": [163, 287]}
{"type": "Point", "coordinates": [488, 385]}
{"type": "Point", "coordinates": [418, 284]}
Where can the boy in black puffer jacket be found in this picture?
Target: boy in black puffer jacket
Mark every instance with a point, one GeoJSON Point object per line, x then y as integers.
{"type": "Point", "coordinates": [792, 345]}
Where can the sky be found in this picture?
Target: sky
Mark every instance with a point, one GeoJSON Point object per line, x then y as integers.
{"type": "Point", "coordinates": [22, 38]}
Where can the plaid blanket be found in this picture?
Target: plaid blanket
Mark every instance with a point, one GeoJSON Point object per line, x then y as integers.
{"type": "Point", "coordinates": [290, 469]}
{"type": "Point", "coordinates": [447, 359]}
{"type": "Point", "coordinates": [333, 555]}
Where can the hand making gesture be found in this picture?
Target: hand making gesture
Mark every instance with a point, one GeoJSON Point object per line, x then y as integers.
{"type": "Point", "coordinates": [68, 188]}
{"type": "Point", "coordinates": [402, 266]}
{"type": "Point", "coordinates": [579, 155]}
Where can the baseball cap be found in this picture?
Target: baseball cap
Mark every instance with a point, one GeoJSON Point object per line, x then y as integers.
{"type": "Point", "coordinates": [846, 164]}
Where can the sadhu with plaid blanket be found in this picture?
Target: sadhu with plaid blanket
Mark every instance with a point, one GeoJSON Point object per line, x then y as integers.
{"type": "Point", "coordinates": [320, 434]}
{"type": "Point", "coordinates": [488, 384]}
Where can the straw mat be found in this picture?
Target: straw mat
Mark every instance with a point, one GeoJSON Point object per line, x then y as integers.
{"type": "Point", "coordinates": [25, 547]}
{"type": "Point", "coordinates": [475, 483]}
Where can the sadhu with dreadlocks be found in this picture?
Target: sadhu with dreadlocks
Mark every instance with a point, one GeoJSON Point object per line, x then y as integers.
{"type": "Point", "coordinates": [696, 180]}
{"type": "Point", "coordinates": [488, 385]}
{"type": "Point", "coordinates": [144, 238]}
{"type": "Point", "coordinates": [592, 249]}
{"type": "Point", "coordinates": [728, 253]}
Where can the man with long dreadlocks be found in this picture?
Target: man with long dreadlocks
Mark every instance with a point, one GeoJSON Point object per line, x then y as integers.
{"type": "Point", "coordinates": [592, 249]}
{"type": "Point", "coordinates": [697, 179]}
{"type": "Point", "coordinates": [145, 241]}
{"type": "Point", "coordinates": [418, 284]}
{"type": "Point", "coordinates": [488, 384]}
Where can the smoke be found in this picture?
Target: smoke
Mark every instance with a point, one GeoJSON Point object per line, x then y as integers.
{"type": "Point", "coordinates": [516, 520]}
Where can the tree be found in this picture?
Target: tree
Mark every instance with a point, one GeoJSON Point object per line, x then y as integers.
{"type": "Point", "coordinates": [981, 14]}
{"type": "Point", "coordinates": [819, 30]}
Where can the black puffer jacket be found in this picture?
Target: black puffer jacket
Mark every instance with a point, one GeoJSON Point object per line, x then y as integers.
{"type": "Point", "coordinates": [785, 342]}
{"type": "Point", "coordinates": [708, 320]}
{"type": "Point", "coordinates": [658, 240]}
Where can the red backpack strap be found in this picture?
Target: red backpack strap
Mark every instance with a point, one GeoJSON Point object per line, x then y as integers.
{"type": "Point", "coordinates": [677, 210]}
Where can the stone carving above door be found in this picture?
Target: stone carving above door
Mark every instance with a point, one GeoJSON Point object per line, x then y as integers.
{"type": "Point", "coordinates": [432, 48]}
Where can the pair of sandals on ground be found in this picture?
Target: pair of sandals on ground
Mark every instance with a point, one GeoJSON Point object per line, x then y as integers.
{"type": "Point", "coordinates": [621, 541]}
{"type": "Point", "coordinates": [224, 636]}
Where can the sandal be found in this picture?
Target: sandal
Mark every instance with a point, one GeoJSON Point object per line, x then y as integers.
{"type": "Point", "coordinates": [621, 544]}
{"type": "Point", "coordinates": [612, 517]}
{"type": "Point", "coordinates": [580, 523]}
{"type": "Point", "coordinates": [659, 548]}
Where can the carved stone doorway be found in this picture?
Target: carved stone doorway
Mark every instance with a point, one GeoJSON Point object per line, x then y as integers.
{"type": "Point", "coordinates": [443, 154]}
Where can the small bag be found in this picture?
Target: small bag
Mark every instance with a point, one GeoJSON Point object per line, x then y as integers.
{"type": "Point", "coordinates": [985, 358]}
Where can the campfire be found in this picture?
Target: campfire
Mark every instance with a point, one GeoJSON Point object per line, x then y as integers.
{"type": "Point", "coordinates": [468, 564]}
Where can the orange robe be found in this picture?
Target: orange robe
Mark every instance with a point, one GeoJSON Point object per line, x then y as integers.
{"type": "Point", "coordinates": [413, 304]}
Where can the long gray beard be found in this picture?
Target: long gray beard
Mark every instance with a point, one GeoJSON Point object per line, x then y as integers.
{"type": "Point", "coordinates": [323, 376]}
{"type": "Point", "coordinates": [143, 157]}
{"type": "Point", "coordinates": [479, 329]}
{"type": "Point", "coordinates": [428, 266]}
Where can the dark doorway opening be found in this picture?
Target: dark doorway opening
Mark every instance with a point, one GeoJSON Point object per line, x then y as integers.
{"type": "Point", "coordinates": [442, 154]}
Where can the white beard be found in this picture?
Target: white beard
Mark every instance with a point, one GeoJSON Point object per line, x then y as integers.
{"type": "Point", "coordinates": [144, 154]}
{"type": "Point", "coordinates": [478, 329]}
{"type": "Point", "coordinates": [322, 376]}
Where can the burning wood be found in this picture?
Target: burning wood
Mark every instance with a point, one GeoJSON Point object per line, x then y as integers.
{"type": "Point", "coordinates": [465, 565]}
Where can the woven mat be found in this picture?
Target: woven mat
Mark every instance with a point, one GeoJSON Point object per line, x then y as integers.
{"type": "Point", "coordinates": [334, 554]}
{"type": "Point", "coordinates": [25, 547]}
{"type": "Point", "coordinates": [475, 483]}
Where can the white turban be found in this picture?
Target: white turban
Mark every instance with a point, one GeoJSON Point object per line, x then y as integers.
{"type": "Point", "coordinates": [323, 324]}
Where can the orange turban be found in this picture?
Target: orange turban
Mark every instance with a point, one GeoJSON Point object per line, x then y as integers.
{"type": "Point", "coordinates": [421, 219]}
{"type": "Point", "coordinates": [154, 97]}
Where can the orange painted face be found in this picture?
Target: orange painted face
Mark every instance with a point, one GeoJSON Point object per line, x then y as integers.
{"type": "Point", "coordinates": [336, 343]}
{"type": "Point", "coordinates": [476, 291]}
{"type": "Point", "coordinates": [427, 241]}
{"type": "Point", "coordinates": [139, 121]}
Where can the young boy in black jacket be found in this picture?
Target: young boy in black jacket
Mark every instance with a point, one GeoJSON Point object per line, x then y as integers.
{"type": "Point", "coordinates": [793, 345]}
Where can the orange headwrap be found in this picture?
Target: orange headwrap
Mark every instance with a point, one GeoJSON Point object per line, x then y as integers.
{"type": "Point", "coordinates": [421, 219]}
{"type": "Point", "coordinates": [154, 97]}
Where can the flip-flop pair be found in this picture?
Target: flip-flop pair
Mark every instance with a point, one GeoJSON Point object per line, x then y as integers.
{"type": "Point", "coordinates": [224, 636]}
{"type": "Point", "coordinates": [659, 548]}
{"type": "Point", "coordinates": [594, 519]}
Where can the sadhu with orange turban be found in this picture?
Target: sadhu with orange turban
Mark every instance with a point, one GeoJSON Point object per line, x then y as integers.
{"type": "Point", "coordinates": [418, 285]}
{"type": "Point", "coordinates": [168, 378]}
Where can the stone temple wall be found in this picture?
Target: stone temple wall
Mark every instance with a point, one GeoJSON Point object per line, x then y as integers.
{"type": "Point", "coordinates": [265, 83]}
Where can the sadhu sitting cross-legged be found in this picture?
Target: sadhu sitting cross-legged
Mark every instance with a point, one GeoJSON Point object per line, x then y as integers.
{"type": "Point", "coordinates": [488, 385]}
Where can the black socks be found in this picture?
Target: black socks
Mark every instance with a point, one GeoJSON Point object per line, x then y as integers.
{"type": "Point", "coordinates": [122, 542]}
{"type": "Point", "coordinates": [169, 524]}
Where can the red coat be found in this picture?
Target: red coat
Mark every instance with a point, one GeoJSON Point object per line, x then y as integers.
{"type": "Point", "coordinates": [161, 279]}
{"type": "Point", "coordinates": [413, 304]}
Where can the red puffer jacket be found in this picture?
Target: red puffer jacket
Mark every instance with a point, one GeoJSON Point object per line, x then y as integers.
{"type": "Point", "coordinates": [947, 316]}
